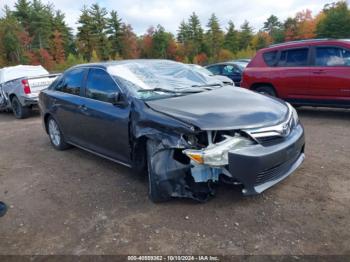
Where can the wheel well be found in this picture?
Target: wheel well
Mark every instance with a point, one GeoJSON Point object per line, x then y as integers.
{"type": "Point", "coordinates": [256, 85]}
{"type": "Point", "coordinates": [139, 154]}
{"type": "Point", "coordinates": [11, 97]}
{"type": "Point", "coordinates": [46, 117]}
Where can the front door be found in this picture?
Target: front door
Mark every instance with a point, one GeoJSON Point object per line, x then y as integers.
{"type": "Point", "coordinates": [106, 124]}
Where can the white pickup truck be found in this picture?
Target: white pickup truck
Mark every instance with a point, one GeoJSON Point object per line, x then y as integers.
{"type": "Point", "coordinates": [20, 87]}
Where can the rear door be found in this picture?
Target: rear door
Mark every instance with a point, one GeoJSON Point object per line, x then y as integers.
{"type": "Point", "coordinates": [330, 78]}
{"type": "Point", "coordinates": [105, 124]}
{"type": "Point", "coordinates": [66, 102]}
{"type": "Point", "coordinates": [294, 73]}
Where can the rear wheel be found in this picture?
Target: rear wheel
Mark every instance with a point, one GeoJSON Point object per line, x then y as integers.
{"type": "Point", "coordinates": [19, 111]}
{"type": "Point", "coordinates": [55, 135]}
{"type": "Point", "coordinates": [266, 90]}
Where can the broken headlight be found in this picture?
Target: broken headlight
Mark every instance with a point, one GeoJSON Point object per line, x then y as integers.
{"type": "Point", "coordinates": [217, 154]}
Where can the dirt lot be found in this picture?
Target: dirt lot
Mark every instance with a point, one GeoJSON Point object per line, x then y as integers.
{"type": "Point", "coordinates": [73, 202]}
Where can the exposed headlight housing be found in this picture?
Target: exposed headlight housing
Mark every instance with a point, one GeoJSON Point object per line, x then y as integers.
{"type": "Point", "coordinates": [217, 154]}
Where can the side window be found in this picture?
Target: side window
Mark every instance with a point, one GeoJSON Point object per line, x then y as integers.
{"type": "Point", "coordinates": [332, 56]}
{"type": "Point", "coordinates": [230, 70]}
{"type": "Point", "coordinates": [270, 58]}
{"type": "Point", "coordinates": [71, 81]}
{"type": "Point", "coordinates": [100, 86]}
{"type": "Point", "coordinates": [215, 70]}
{"type": "Point", "coordinates": [294, 57]}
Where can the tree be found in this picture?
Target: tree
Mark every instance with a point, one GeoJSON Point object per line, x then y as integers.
{"type": "Point", "coordinates": [129, 45]}
{"type": "Point", "coordinates": [59, 24]}
{"type": "Point", "coordinates": [22, 12]}
{"type": "Point", "coordinates": [183, 34]}
{"type": "Point", "coordinates": [245, 35]}
{"type": "Point", "coordinates": [291, 29]}
{"type": "Point", "coordinates": [160, 42]}
{"type": "Point", "coordinates": [306, 25]}
{"type": "Point", "coordinates": [114, 30]}
{"type": "Point", "coordinates": [231, 38]}
{"type": "Point", "coordinates": [274, 28]}
{"type": "Point", "coordinates": [57, 49]}
{"type": "Point", "coordinates": [98, 28]}
{"type": "Point", "coordinates": [40, 26]}
{"type": "Point", "coordinates": [261, 40]}
{"type": "Point", "coordinates": [85, 34]}
{"type": "Point", "coordinates": [214, 36]}
{"type": "Point", "coordinates": [336, 21]}
{"type": "Point", "coordinates": [10, 42]}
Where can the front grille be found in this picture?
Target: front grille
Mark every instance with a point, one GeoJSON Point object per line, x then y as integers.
{"type": "Point", "coordinates": [275, 172]}
{"type": "Point", "coordinates": [270, 140]}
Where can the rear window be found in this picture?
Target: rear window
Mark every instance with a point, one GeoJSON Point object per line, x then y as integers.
{"type": "Point", "coordinates": [270, 58]}
{"type": "Point", "coordinates": [294, 57]}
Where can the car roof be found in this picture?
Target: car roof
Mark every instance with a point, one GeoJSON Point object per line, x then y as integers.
{"type": "Point", "coordinates": [306, 42]}
{"type": "Point", "coordinates": [227, 63]}
{"type": "Point", "coordinates": [107, 64]}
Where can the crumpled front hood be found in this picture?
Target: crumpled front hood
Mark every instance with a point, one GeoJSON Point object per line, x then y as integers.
{"type": "Point", "coordinates": [223, 109]}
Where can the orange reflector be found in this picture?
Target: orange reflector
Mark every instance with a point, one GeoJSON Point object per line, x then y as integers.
{"type": "Point", "coordinates": [196, 157]}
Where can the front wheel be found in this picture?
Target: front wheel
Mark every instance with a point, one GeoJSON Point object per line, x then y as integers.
{"type": "Point", "coordinates": [55, 134]}
{"type": "Point", "coordinates": [19, 111]}
{"type": "Point", "coordinates": [154, 192]}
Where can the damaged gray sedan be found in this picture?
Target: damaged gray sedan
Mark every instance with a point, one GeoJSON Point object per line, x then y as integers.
{"type": "Point", "coordinates": [185, 130]}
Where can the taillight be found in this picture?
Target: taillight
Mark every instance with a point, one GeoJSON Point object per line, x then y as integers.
{"type": "Point", "coordinates": [26, 86]}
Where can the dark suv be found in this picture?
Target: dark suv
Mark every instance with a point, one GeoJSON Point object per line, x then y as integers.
{"type": "Point", "coordinates": [309, 72]}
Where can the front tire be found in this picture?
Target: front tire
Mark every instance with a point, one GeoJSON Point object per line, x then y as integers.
{"type": "Point", "coordinates": [154, 192]}
{"type": "Point", "coordinates": [55, 135]}
{"type": "Point", "coordinates": [19, 111]}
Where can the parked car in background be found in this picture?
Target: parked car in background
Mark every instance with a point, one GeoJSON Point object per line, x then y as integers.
{"type": "Point", "coordinates": [231, 69]}
{"type": "Point", "coordinates": [311, 72]}
{"type": "Point", "coordinates": [20, 86]}
{"type": "Point", "coordinates": [200, 69]}
{"type": "Point", "coordinates": [184, 129]}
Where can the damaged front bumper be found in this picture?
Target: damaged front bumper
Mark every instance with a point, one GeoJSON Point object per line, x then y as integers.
{"type": "Point", "coordinates": [256, 167]}
{"type": "Point", "coordinates": [260, 167]}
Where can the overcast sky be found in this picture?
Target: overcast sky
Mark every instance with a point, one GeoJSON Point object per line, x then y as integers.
{"type": "Point", "coordinates": [143, 13]}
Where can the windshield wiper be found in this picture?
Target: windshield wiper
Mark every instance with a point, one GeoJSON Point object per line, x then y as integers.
{"type": "Point", "coordinates": [176, 91]}
{"type": "Point", "coordinates": [207, 85]}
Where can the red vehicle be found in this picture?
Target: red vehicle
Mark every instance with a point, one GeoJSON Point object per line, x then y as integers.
{"type": "Point", "coordinates": [309, 72]}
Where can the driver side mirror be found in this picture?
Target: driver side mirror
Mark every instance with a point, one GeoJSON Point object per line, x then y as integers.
{"type": "Point", "coordinates": [117, 99]}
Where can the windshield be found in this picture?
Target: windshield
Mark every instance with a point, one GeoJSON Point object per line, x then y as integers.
{"type": "Point", "coordinates": [242, 65]}
{"type": "Point", "coordinates": [201, 70]}
{"type": "Point", "coordinates": [155, 78]}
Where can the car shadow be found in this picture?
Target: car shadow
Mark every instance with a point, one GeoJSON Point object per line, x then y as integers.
{"type": "Point", "coordinates": [322, 113]}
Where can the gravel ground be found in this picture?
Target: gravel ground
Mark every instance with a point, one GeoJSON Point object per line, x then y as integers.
{"type": "Point", "coordinates": [73, 202]}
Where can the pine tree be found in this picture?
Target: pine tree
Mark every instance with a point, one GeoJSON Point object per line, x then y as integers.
{"type": "Point", "coordinates": [245, 35]}
{"type": "Point", "coordinates": [214, 36]}
{"type": "Point", "coordinates": [22, 12]}
{"type": "Point", "coordinates": [114, 24]}
{"type": "Point", "coordinates": [231, 38]}
{"type": "Point", "coordinates": [40, 27]}
{"type": "Point", "coordinates": [183, 33]}
{"type": "Point", "coordinates": [85, 34]}
{"type": "Point", "coordinates": [98, 30]}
